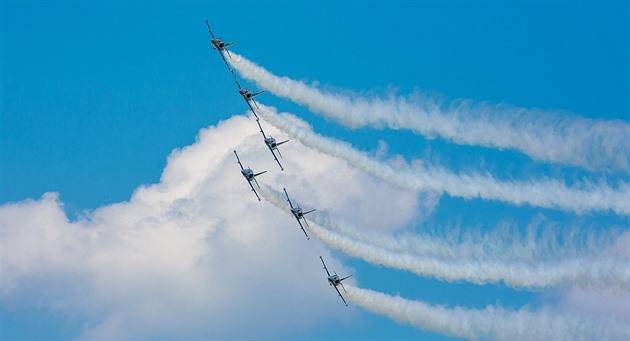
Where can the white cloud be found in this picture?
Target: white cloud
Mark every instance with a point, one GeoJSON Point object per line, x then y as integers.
{"type": "Point", "coordinates": [195, 255]}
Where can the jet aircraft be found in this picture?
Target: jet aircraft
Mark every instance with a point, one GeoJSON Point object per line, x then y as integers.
{"type": "Point", "coordinates": [218, 44]}
{"type": "Point", "coordinates": [247, 95]}
{"type": "Point", "coordinates": [249, 98]}
{"type": "Point", "coordinates": [272, 144]}
{"type": "Point", "coordinates": [298, 213]}
{"type": "Point", "coordinates": [334, 280]}
{"type": "Point", "coordinates": [249, 175]}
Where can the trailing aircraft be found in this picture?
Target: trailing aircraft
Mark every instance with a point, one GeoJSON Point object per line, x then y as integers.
{"type": "Point", "coordinates": [272, 144]}
{"type": "Point", "coordinates": [249, 175]}
{"type": "Point", "coordinates": [334, 280]}
{"type": "Point", "coordinates": [298, 213]}
{"type": "Point", "coordinates": [218, 44]}
{"type": "Point", "coordinates": [247, 95]}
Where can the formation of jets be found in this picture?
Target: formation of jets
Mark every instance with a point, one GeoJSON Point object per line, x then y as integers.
{"type": "Point", "coordinates": [271, 143]}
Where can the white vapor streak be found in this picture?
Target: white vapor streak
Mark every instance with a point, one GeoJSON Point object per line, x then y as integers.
{"type": "Point", "coordinates": [545, 136]}
{"type": "Point", "coordinates": [605, 272]}
{"type": "Point", "coordinates": [491, 322]}
{"type": "Point", "coordinates": [543, 193]}
{"type": "Point", "coordinates": [540, 240]}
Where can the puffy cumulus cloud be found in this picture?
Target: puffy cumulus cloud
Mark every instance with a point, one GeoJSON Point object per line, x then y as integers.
{"type": "Point", "coordinates": [195, 255]}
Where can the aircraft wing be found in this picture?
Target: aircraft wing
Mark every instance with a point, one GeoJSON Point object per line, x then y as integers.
{"type": "Point", "coordinates": [252, 186]}
{"type": "Point", "coordinates": [325, 268]}
{"type": "Point", "coordinates": [277, 144]}
{"type": "Point", "coordinates": [225, 60]}
{"type": "Point", "coordinates": [209, 30]}
{"type": "Point", "coordinates": [238, 160]}
{"type": "Point", "coordinates": [344, 301]}
{"type": "Point", "coordinates": [261, 129]}
{"type": "Point", "coordinates": [303, 230]}
{"type": "Point", "coordinates": [274, 156]}
{"type": "Point", "coordinates": [256, 181]}
{"type": "Point", "coordinates": [252, 109]}
{"type": "Point", "coordinates": [289, 200]}
{"type": "Point", "coordinates": [236, 79]}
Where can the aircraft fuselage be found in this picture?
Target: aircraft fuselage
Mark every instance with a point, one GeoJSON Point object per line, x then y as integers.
{"type": "Point", "coordinates": [246, 94]}
{"type": "Point", "coordinates": [248, 174]}
{"type": "Point", "coordinates": [218, 43]}
{"type": "Point", "coordinates": [333, 280]}
{"type": "Point", "coordinates": [297, 212]}
{"type": "Point", "coordinates": [271, 142]}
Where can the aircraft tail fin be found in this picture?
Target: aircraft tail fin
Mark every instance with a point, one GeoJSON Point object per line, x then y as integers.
{"type": "Point", "coordinates": [345, 278]}
{"type": "Point", "coordinates": [307, 212]}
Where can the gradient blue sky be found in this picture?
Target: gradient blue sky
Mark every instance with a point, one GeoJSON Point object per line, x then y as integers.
{"type": "Point", "coordinates": [95, 95]}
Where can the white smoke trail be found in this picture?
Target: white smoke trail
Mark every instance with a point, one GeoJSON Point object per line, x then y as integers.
{"type": "Point", "coordinates": [583, 271]}
{"type": "Point", "coordinates": [540, 241]}
{"type": "Point", "coordinates": [492, 322]}
{"type": "Point", "coordinates": [543, 193]}
{"type": "Point", "coordinates": [545, 136]}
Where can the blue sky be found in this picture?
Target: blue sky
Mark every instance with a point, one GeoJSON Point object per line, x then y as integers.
{"type": "Point", "coordinates": [96, 96]}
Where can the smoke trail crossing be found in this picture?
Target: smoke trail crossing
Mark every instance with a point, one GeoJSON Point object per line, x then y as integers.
{"type": "Point", "coordinates": [544, 136]}
{"type": "Point", "coordinates": [491, 322]}
{"type": "Point", "coordinates": [543, 193]}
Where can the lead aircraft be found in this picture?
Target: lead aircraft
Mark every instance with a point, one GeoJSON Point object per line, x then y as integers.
{"type": "Point", "coordinates": [334, 280]}
{"type": "Point", "coordinates": [298, 213]}
{"type": "Point", "coordinates": [218, 44]}
{"type": "Point", "coordinates": [249, 175]}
